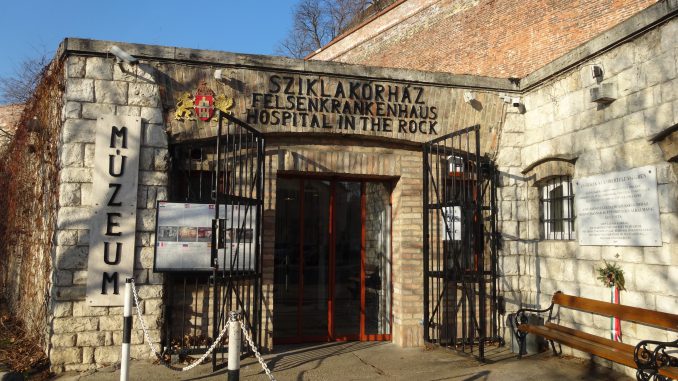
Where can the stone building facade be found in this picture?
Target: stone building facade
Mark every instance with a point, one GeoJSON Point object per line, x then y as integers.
{"type": "Point", "coordinates": [82, 336]}
{"type": "Point", "coordinates": [554, 129]}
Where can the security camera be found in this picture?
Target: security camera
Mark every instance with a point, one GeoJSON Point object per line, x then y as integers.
{"type": "Point", "coordinates": [515, 102]}
{"type": "Point", "coordinates": [122, 55]}
{"type": "Point", "coordinates": [597, 72]}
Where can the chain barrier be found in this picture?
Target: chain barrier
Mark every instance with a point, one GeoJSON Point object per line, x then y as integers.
{"type": "Point", "coordinates": [243, 326]}
{"type": "Point", "coordinates": [152, 345]}
{"type": "Point", "coordinates": [250, 342]}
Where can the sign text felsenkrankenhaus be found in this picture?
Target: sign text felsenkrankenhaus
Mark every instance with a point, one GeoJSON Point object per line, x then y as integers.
{"type": "Point", "coordinates": [342, 104]}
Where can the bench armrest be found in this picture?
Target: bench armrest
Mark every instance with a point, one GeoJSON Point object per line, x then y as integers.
{"type": "Point", "coordinates": [521, 317]}
{"type": "Point", "coordinates": [650, 361]}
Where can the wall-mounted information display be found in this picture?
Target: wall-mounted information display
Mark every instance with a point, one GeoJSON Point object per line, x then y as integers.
{"type": "Point", "coordinates": [184, 237]}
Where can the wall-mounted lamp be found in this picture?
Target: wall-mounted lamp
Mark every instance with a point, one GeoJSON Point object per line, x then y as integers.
{"type": "Point", "coordinates": [219, 74]}
{"type": "Point", "coordinates": [122, 56]}
{"type": "Point", "coordinates": [597, 72]}
{"type": "Point", "coordinates": [469, 96]}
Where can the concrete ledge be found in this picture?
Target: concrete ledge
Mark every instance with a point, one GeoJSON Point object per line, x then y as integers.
{"type": "Point", "coordinates": [77, 46]}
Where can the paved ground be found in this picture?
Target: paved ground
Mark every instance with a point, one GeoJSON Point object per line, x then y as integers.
{"type": "Point", "coordinates": [378, 361]}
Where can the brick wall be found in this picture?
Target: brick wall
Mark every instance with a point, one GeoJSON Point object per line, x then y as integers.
{"type": "Point", "coordinates": [496, 38]}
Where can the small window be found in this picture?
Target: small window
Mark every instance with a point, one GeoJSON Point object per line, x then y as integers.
{"type": "Point", "coordinates": [556, 207]}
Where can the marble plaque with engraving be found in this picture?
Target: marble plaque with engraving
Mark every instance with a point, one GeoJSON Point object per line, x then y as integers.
{"type": "Point", "coordinates": [618, 209]}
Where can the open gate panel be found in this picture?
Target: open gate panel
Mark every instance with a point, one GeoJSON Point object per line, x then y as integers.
{"type": "Point", "coordinates": [460, 264]}
{"type": "Point", "coordinates": [226, 171]}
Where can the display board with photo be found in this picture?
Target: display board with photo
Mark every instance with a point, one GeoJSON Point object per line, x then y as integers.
{"type": "Point", "coordinates": [184, 237]}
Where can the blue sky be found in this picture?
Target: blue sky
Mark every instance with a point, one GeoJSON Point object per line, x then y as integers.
{"type": "Point", "coordinates": [31, 27]}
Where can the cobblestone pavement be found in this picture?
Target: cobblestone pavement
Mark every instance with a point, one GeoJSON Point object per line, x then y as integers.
{"type": "Point", "coordinates": [378, 361]}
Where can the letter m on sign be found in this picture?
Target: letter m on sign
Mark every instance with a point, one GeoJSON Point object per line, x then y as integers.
{"type": "Point", "coordinates": [118, 134]}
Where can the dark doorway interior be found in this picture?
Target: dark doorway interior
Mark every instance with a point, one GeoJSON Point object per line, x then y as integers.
{"type": "Point", "coordinates": [332, 260]}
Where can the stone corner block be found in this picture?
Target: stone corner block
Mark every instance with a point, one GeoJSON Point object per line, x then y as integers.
{"type": "Point", "coordinates": [78, 131]}
{"type": "Point", "coordinates": [65, 356]}
{"type": "Point", "coordinates": [80, 89]}
{"type": "Point", "coordinates": [111, 91]}
{"type": "Point", "coordinates": [74, 218]}
{"type": "Point", "coordinates": [99, 68]}
{"type": "Point", "coordinates": [144, 94]}
{"type": "Point", "coordinates": [75, 67]}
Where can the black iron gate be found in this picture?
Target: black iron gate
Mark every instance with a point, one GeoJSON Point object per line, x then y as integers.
{"type": "Point", "coordinates": [225, 170]}
{"type": "Point", "coordinates": [460, 245]}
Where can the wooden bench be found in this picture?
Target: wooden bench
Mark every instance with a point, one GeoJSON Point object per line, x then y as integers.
{"type": "Point", "coordinates": [652, 359]}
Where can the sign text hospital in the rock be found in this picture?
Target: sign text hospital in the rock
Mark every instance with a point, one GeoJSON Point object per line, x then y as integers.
{"type": "Point", "coordinates": [350, 105]}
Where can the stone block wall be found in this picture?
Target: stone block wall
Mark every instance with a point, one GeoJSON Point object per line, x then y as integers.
{"type": "Point", "coordinates": [84, 337]}
{"type": "Point", "coordinates": [560, 121]}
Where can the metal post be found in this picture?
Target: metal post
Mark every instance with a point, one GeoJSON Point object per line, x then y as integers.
{"type": "Point", "coordinates": [234, 340]}
{"type": "Point", "coordinates": [126, 330]}
{"type": "Point", "coordinates": [216, 237]}
{"type": "Point", "coordinates": [425, 273]}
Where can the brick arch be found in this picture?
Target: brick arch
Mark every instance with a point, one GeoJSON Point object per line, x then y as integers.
{"type": "Point", "coordinates": [550, 167]}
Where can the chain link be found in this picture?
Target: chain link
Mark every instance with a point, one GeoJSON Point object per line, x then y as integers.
{"type": "Point", "coordinates": [243, 326]}
{"type": "Point", "coordinates": [158, 355]}
{"type": "Point", "coordinates": [250, 342]}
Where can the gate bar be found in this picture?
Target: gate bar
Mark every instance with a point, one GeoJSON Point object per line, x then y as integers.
{"type": "Point", "coordinates": [216, 237]}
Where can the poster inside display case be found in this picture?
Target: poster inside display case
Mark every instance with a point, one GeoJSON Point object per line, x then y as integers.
{"type": "Point", "coordinates": [184, 237]}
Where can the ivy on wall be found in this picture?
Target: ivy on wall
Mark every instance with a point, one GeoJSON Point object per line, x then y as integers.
{"type": "Point", "coordinates": [29, 196]}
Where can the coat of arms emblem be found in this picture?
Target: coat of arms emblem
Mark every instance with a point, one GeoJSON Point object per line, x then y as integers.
{"type": "Point", "coordinates": [203, 102]}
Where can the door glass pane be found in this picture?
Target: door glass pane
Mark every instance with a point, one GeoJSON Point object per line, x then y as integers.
{"type": "Point", "coordinates": [316, 258]}
{"type": "Point", "coordinates": [286, 272]}
{"type": "Point", "coordinates": [347, 223]}
{"type": "Point", "coordinates": [377, 259]}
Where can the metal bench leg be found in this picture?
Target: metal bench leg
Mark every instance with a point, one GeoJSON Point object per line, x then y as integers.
{"type": "Point", "coordinates": [649, 375]}
{"type": "Point", "coordinates": [553, 347]}
{"type": "Point", "coordinates": [522, 349]}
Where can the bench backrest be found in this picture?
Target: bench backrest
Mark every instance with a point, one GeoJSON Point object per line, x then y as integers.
{"type": "Point", "coordinates": [627, 313]}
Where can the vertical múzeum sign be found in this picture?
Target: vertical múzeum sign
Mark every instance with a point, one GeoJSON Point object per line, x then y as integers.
{"type": "Point", "coordinates": [114, 199]}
